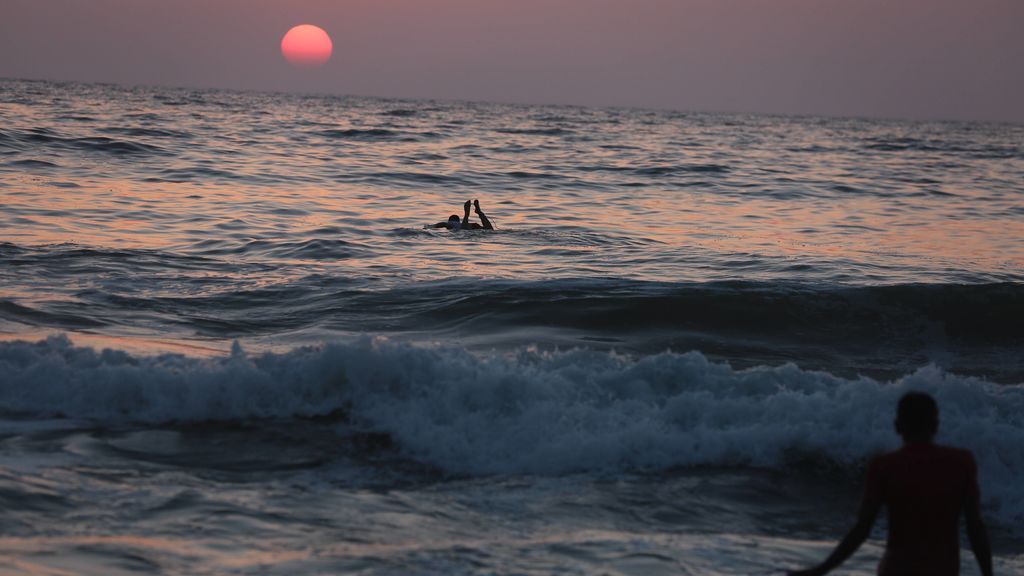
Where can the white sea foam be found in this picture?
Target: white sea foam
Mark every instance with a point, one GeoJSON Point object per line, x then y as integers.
{"type": "Point", "coordinates": [532, 412]}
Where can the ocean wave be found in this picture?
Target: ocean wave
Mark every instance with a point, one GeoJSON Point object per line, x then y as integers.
{"type": "Point", "coordinates": [527, 411]}
{"type": "Point", "coordinates": [534, 131]}
{"type": "Point", "coordinates": [12, 311]}
{"type": "Point", "coordinates": [667, 170]}
{"type": "Point", "coordinates": [192, 174]}
{"type": "Point", "coordinates": [33, 138]}
{"type": "Point", "coordinates": [377, 135]}
{"type": "Point", "coordinates": [320, 249]}
{"type": "Point", "coordinates": [879, 331]}
{"type": "Point", "coordinates": [30, 164]}
{"type": "Point", "coordinates": [401, 112]}
{"type": "Point", "coordinates": [360, 134]}
{"type": "Point", "coordinates": [68, 259]}
{"type": "Point", "coordinates": [230, 289]}
{"type": "Point", "coordinates": [405, 178]}
{"type": "Point", "coordinates": [905, 144]}
{"type": "Point", "coordinates": [145, 132]}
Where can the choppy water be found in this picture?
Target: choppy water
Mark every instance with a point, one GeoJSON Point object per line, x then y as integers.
{"type": "Point", "coordinates": [679, 346]}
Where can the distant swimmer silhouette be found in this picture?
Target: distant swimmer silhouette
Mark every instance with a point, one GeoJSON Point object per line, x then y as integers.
{"type": "Point", "coordinates": [924, 487]}
{"type": "Point", "coordinates": [454, 223]}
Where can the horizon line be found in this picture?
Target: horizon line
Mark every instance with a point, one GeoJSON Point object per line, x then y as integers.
{"type": "Point", "coordinates": [323, 94]}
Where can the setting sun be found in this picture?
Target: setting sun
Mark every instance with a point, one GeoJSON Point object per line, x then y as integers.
{"type": "Point", "coordinates": [307, 46]}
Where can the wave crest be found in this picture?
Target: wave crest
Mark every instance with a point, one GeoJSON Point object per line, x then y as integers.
{"type": "Point", "coordinates": [529, 411]}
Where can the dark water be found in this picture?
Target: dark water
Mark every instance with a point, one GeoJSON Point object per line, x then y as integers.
{"type": "Point", "coordinates": [231, 344]}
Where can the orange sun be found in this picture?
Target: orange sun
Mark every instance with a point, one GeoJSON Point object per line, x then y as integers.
{"type": "Point", "coordinates": [307, 46]}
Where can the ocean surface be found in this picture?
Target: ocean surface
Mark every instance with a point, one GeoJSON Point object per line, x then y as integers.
{"type": "Point", "coordinates": [231, 344]}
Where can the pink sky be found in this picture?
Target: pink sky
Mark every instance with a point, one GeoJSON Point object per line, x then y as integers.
{"type": "Point", "coordinates": [891, 58]}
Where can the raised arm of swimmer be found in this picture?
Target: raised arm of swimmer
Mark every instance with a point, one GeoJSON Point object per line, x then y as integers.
{"type": "Point", "coordinates": [483, 217]}
{"type": "Point", "coordinates": [456, 223]}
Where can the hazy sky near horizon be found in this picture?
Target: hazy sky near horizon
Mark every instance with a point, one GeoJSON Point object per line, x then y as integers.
{"type": "Point", "coordinates": [959, 59]}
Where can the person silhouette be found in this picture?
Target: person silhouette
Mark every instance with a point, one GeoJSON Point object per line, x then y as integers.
{"type": "Point", "coordinates": [454, 223]}
{"type": "Point", "coordinates": [924, 487]}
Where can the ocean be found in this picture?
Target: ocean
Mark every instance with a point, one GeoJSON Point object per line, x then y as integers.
{"type": "Point", "coordinates": [230, 342]}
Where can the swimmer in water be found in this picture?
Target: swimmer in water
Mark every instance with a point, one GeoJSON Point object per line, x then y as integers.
{"type": "Point", "coordinates": [454, 223]}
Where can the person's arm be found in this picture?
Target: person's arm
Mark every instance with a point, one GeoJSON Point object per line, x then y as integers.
{"type": "Point", "coordinates": [847, 546]}
{"type": "Point", "coordinates": [976, 532]}
{"type": "Point", "coordinates": [483, 217]}
{"type": "Point", "coordinates": [869, 507]}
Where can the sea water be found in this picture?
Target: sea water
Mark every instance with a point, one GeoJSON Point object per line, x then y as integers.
{"type": "Point", "coordinates": [232, 344]}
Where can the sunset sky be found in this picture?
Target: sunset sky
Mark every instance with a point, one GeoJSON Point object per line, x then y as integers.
{"type": "Point", "coordinates": [892, 58]}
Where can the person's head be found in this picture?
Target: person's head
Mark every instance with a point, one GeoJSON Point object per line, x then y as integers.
{"type": "Point", "coordinates": [917, 417]}
{"type": "Point", "coordinates": [453, 221]}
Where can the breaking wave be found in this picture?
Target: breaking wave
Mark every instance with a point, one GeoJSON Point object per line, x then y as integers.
{"type": "Point", "coordinates": [528, 411]}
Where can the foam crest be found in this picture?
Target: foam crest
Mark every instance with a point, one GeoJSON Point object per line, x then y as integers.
{"type": "Point", "coordinates": [55, 378]}
{"type": "Point", "coordinates": [531, 411]}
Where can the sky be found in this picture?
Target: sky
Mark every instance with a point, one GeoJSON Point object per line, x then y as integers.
{"type": "Point", "coordinates": [950, 59]}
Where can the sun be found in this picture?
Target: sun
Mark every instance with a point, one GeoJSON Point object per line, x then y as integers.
{"type": "Point", "coordinates": [307, 46]}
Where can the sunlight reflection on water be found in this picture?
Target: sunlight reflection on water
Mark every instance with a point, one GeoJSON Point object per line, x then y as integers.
{"type": "Point", "coordinates": [613, 192]}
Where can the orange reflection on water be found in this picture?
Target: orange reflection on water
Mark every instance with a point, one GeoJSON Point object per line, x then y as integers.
{"type": "Point", "coordinates": [59, 555]}
{"type": "Point", "coordinates": [650, 233]}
